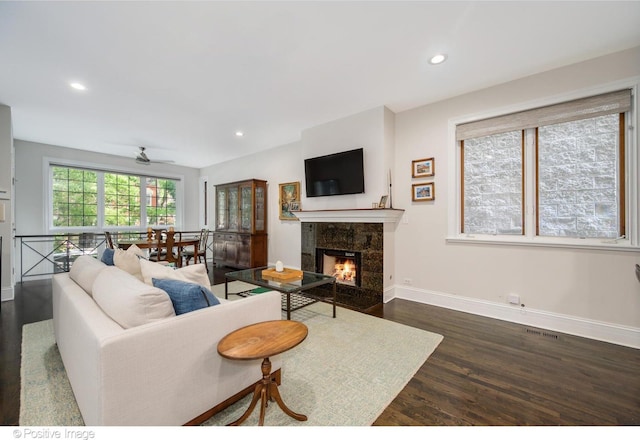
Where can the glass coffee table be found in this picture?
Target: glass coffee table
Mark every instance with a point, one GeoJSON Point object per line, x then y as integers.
{"type": "Point", "coordinates": [309, 280]}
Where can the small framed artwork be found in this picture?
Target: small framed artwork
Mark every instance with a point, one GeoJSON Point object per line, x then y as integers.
{"type": "Point", "coordinates": [421, 192]}
{"type": "Point", "coordinates": [383, 202]}
{"type": "Point", "coordinates": [423, 167]}
{"type": "Point", "coordinates": [289, 200]}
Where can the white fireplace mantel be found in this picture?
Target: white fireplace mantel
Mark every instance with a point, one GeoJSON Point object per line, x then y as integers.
{"type": "Point", "coordinates": [351, 215]}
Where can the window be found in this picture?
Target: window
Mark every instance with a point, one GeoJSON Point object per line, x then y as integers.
{"type": "Point", "coordinates": [96, 199]}
{"type": "Point", "coordinates": [579, 169]}
{"type": "Point", "coordinates": [493, 184]}
{"type": "Point", "coordinates": [551, 172]}
{"type": "Point", "coordinates": [161, 201]}
{"type": "Point", "coordinates": [75, 197]}
{"type": "Point", "coordinates": [121, 200]}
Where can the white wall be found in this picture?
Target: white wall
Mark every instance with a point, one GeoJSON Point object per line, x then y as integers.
{"type": "Point", "coordinates": [366, 130]}
{"type": "Point", "coordinates": [31, 174]}
{"type": "Point", "coordinates": [570, 290]}
{"type": "Point", "coordinates": [286, 164]}
{"type": "Point", "coordinates": [6, 173]}
{"type": "Point", "coordinates": [593, 293]}
{"type": "Point", "coordinates": [279, 165]}
{"type": "Point", "coordinates": [31, 182]}
{"type": "Point", "coordinates": [588, 292]}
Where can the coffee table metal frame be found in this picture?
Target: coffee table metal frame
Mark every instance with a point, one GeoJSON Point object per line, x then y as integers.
{"type": "Point", "coordinates": [308, 281]}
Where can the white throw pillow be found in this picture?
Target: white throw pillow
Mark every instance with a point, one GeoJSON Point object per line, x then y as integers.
{"type": "Point", "coordinates": [129, 301]}
{"type": "Point", "coordinates": [84, 271]}
{"type": "Point", "coordinates": [196, 273]}
{"type": "Point", "coordinates": [129, 260]}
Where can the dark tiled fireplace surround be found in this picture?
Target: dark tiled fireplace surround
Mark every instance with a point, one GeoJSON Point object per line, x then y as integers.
{"type": "Point", "coordinates": [366, 238]}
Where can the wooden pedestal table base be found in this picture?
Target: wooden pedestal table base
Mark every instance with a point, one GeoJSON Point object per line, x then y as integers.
{"type": "Point", "coordinates": [261, 341]}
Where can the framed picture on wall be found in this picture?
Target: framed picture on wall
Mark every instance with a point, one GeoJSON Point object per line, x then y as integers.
{"type": "Point", "coordinates": [421, 192]}
{"type": "Point", "coordinates": [423, 167]}
{"type": "Point", "coordinates": [289, 200]}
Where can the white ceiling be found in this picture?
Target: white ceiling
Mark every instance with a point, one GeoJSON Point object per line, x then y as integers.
{"type": "Point", "coordinates": [180, 78]}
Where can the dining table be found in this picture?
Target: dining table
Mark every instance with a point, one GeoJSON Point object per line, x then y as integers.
{"type": "Point", "coordinates": [170, 241]}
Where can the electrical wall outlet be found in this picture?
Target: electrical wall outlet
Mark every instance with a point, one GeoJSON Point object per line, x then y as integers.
{"type": "Point", "coordinates": [407, 281]}
{"type": "Point", "coordinates": [513, 298]}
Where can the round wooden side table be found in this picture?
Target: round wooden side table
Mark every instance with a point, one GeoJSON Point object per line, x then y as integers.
{"type": "Point", "coordinates": [261, 341]}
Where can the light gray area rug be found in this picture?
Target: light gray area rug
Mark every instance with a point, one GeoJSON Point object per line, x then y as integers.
{"type": "Point", "coordinates": [345, 373]}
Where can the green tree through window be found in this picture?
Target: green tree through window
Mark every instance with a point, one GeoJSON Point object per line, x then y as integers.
{"type": "Point", "coordinates": [75, 197]}
{"type": "Point", "coordinates": [77, 194]}
{"type": "Point", "coordinates": [161, 201]}
{"type": "Point", "coordinates": [121, 200]}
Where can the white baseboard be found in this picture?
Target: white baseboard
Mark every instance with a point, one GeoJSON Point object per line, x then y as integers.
{"type": "Point", "coordinates": [601, 331]}
{"type": "Point", "coordinates": [6, 294]}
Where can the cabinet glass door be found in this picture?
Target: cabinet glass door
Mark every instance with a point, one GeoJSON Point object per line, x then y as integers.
{"type": "Point", "coordinates": [221, 208]}
{"type": "Point", "coordinates": [260, 217]}
{"type": "Point", "coordinates": [233, 208]}
{"type": "Point", "coordinates": [246, 209]}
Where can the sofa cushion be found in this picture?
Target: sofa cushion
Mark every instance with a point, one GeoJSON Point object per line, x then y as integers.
{"type": "Point", "coordinates": [107, 257]}
{"type": "Point", "coordinates": [196, 273]}
{"type": "Point", "coordinates": [129, 301]}
{"type": "Point", "coordinates": [129, 260]}
{"type": "Point", "coordinates": [84, 271]}
{"type": "Point", "coordinates": [186, 297]}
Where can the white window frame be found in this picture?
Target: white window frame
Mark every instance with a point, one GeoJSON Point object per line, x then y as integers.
{"type": "Point", "coordinates": [48, 162]}
{"type": "Point", "coordinates": [630, 242]}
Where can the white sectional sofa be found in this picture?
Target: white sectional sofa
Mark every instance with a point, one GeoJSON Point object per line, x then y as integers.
{"type": "Point", "coordinates": [131, 361]}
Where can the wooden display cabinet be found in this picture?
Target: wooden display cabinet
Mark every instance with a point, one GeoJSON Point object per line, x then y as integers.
{"type": "Point", "coordinates": [240, 236]}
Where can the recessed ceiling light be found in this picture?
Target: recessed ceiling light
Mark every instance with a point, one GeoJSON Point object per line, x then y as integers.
{"type": "Point", "coordinates": [78, 86]}
{"type": "Point", "coordinates": [438, 59]}
{"type": "Point", "coordinates": [239, 133]}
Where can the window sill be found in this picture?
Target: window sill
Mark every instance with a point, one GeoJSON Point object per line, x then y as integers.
{"type": "Point", "coordinates": [620, 245]}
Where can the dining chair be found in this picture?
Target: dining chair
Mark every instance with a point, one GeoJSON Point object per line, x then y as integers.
{"type": "Point", "coordinates": [201, 256]}
{"type": "Point", "coordinates": [164, 246]}
{"type": "Point", "coordinates": [109, 240]}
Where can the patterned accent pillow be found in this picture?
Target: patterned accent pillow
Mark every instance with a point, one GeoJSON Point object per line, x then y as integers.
{"type": "Point", "coordinates": [186, 297]}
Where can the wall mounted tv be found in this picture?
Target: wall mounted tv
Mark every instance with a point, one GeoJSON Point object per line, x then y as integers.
{"type": "Point", "coordinates": [335, 174]}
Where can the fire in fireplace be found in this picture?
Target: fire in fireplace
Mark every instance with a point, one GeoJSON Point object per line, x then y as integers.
{"type": "Point", "coordinates": [342, 264]}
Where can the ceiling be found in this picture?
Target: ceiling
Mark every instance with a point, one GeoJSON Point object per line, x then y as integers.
{"type": "Point", "coordinates": [180, 78]}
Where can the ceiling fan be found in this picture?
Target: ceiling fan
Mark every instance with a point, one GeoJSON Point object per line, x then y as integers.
{"type": "Point", "coordinates": [143, 159]}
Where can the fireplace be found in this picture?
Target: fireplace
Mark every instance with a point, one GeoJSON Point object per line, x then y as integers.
{"type": "Point", "coordinates": [344, 265]}
{"type": "Point", "coordinates": [366, 236]}
{"type": "Point", "coordinates": [355, 252]}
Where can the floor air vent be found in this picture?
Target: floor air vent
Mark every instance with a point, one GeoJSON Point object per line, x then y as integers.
{"type": "Point", "coordinates": [542, 333]}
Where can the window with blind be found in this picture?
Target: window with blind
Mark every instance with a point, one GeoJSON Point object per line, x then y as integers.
{"type": "Point", "coordinates": [555, 171]}
{"type": "Point", "coordinates": [98, 199]}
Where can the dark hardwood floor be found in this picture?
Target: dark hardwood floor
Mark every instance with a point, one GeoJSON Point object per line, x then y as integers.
{"type": "Point", "coordinates": [32, 303]}
{"type": "Point", "coordinates": [485, 372]}
{"type": "Point", "coordinates": [491, 372]}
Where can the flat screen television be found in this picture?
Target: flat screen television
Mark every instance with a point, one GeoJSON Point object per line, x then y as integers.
{"type": "Point", "coordinates": [335, 174]}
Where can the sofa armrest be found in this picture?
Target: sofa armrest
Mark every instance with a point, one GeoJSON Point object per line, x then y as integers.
{"type": "Point", "coordinates": [169, 372]}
